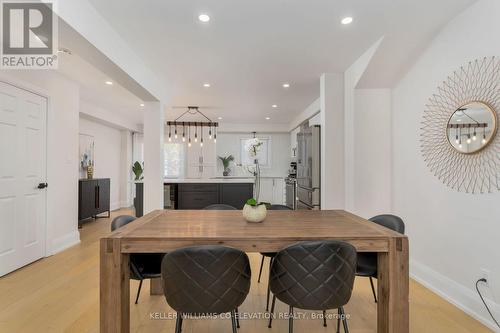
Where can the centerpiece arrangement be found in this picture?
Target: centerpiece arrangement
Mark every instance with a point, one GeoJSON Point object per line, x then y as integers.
{"type": "Point", "coordinates": [253, 146]}
{"type": "Point", "coordinates": [254, 211]}
{"type": "Point", "coordinates": [226, 163]}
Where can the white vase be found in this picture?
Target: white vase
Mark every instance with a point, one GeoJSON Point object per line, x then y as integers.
{"type": "Point", "coordinates": [254, 214]}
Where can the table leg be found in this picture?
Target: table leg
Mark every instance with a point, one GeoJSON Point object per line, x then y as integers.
{"type": "Point", "coordinates": [393, 288]}
{"type": "Point", "coordinates": [114, 287]}
{"type": "Point", "coordinates": [155, 287]}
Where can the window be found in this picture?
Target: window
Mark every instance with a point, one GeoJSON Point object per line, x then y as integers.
{"type": "Point", "coordinates": [174, 160]}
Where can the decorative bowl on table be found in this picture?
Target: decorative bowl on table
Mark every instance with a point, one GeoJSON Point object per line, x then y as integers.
{"type": "Point", "coordinates": [254, 212]}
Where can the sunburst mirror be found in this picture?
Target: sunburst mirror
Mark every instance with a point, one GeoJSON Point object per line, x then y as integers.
{"type": "Point", "coordinates": [459, 127]}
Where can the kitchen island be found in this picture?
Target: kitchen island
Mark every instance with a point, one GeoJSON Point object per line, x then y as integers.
{"type": "Point", "coordinates": [198, 193]}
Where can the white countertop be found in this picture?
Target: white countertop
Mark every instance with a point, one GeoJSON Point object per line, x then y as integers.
{"type": "Point", "coordinates": [234, 180]}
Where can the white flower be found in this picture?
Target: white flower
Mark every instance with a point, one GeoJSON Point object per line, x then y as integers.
{"type": "Point", "coordinates": [253, 146]}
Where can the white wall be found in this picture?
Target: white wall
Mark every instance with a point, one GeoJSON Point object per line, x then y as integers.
{"type": "Point", "coordinates": [107, 156]}
{"type": "Point", "coordinates": [332, 141]}
{"type": "Point", "coordinates": [62, 152]}
{"type": "Point", "coordinates": [452, 235]}
{"type": "Point", "coordinates": [351, 78]}
{"type": "Point", "coordinates": [372, 167]}
{"type": "Point", "coordinates": [229, 143]}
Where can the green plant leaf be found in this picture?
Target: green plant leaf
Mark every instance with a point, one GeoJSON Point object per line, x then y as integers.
{"type": "Point", "coordinates": [252, 202]}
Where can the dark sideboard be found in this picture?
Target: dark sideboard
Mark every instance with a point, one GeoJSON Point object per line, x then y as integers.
{"type": "Point", "coordinates": [93, 198]}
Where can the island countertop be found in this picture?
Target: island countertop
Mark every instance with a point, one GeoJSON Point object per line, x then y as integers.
{"type": "Point", "coordinates": [215, 180]}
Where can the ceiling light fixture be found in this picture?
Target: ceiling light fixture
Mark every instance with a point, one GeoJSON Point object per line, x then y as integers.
{"type": "Point", "coordinates": [220, 118]}
{"type": "Point", "coordinates": [274, 106]}
{"type": "Point", "coordinates": [204, 18]}
{"type": "Point", "coordinates": [109, 83]}
{"type": "Point", "coordinates": [206, 85]}
{"type": "Point", "coordinates": [346, 20]}
{"type": "Point", "coordinates": [141, 105]}
{"type": "Point", "coordinates": [286, 85]}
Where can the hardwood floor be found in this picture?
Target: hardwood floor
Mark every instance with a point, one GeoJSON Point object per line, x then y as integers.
{"type": "Point", "coordinates": [61, 294]}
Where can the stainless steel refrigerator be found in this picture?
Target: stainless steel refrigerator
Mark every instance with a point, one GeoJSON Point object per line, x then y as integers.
{"type": "Point", "coordinates": [309, 167]}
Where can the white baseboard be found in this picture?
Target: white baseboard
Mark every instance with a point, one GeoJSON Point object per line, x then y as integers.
{"type": "Point", "coordinates": [62, 243]}
{"type": "Point", "coordinates": [463, 298]}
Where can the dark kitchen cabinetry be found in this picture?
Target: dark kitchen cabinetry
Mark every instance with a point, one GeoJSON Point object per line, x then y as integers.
{"type": "Point", "coordinates": [235, 195]}
{"type": "Point", "coordinates": [198, 196]}
{"type": "Point", "coordinates": [93, 197]}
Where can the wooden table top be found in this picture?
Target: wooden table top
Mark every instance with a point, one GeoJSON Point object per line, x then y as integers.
{"type": "Point", "coordinates": [158, 228]}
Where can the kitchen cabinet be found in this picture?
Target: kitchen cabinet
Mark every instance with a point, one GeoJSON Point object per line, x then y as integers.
{"type": "Point", "coordinates": [272, 190]}
{"type": "Point", "coordinates": [201, 195]}
{"type": "Point", "coordinates": [201, 161]}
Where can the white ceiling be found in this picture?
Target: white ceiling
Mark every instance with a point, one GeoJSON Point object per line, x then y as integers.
{"type": "Point", "coordinates": [91, 80]}
{"type": "Point", "coordinates": [250, 48]}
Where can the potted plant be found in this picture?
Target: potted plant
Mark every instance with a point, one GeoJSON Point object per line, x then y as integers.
{"type": "Point", "coordinates": [138, 170]}
{"type": "Point", "coordinates": [226, 161]}
{"type": "Point", "coordinates": [254, 211]}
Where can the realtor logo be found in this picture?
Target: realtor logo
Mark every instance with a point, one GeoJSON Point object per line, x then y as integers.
{"type": "Point", "coordinates": [28, 35]}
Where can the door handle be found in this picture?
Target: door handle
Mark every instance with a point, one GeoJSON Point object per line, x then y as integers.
{"type": "Point", "coordinates": [41, 186]}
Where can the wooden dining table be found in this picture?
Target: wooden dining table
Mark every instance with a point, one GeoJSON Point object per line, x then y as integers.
{"type": "Point", "coordinates": [162, 231]}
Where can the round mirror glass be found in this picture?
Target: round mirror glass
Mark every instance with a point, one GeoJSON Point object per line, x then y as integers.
{"type": "Point", "coordinates": [472, 127]}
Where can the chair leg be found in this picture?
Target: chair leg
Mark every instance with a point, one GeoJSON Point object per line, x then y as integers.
{"type": "Point", "coordinates": [178, 323]}
{"type": "Point", "coordinates": [138, 292]}
{"type": "Point", "coordinates": [373, 289]}
{"type": "Point", "coordinates": [324, 318]}
{"type": "Point", "coordinates": [233, 321]}
{"type": "Point", "coordinates": [339, 313]}
{"type": "Point", "coordinates": [268, 285]}
{"type": "Point", "coordinates": [260, 270]}
{"type": "Point", "coordinates": [272, 312]}
{"type": "Point", "coordinates": [290, 321]}
{"type": "Point", "coordinates": [344, 321]}
{"type": "Point", "coordinates": [237, 318]}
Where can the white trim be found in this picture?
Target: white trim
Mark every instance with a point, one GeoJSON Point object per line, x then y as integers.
{"type": "Point", "coordinates": [463, 298]}
{"type": "Point", "coordinates": [62, 243]}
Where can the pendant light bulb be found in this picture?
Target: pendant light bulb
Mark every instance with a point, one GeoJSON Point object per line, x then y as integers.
{"type": "Point", "coordinates": [183, 139]}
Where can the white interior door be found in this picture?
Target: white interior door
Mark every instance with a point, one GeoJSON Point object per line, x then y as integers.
{"type": "Point", "coordinates": [23, 121]}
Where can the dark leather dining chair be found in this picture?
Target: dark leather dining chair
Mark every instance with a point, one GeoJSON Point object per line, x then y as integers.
{"type": "Point", "coordinates": [314, 275]}
{"type": "Point", "coordinates": [205, 280]}
{"type": "Point", "coordinates": [219, 207]}
{"type": "Point", "coordinates": [269, 255]}
{"type": "Point", "coordinates": [142, 265]}
{"type": "Point", "coordinates": [367, 261]}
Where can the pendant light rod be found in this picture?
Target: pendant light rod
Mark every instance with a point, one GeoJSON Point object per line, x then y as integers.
{"type": "Point", "coordinates": [192, 123]}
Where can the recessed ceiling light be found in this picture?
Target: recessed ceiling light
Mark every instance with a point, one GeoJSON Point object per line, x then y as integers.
{"type": "Point", "coordinates": [109, 83]}
{"type": "Point", "coordinates": [346, 20]}
{"type": "Point", "coordinates": [142, 104]}
{"type": "Point", "coordinates": [267, 118]}
{"type": "Point", "coordinates": [286, 85]}
{"type": "Point", "coordinates": [220, 118]}
{"type": "Point", "coordinates": [206, 85]}
{"type": "Point", "coordinates": [204, 18]}
{"type": "Point", "coordinates": [274, 106]}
